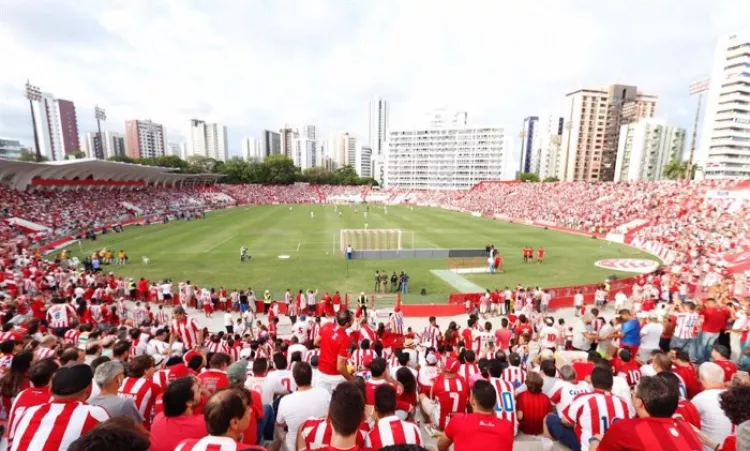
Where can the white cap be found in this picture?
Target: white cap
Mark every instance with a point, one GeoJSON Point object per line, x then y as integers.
{"type": "Point", "coordinates": [431, 358]}
{"type": "Point", "coordinates": [245, 353]}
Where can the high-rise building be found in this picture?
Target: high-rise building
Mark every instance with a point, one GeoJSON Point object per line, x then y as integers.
{"type": "Point", "coordinates": [288, 135]}
{"type": "Point", "coordinates": [646, 147]}
{"type": "Point", "coordinates": [364, 160]}
{"type": "Point", "coordinates": [10, 149]}
{"type": "Point", "coordinates": [529, 138]}
{"type": "Point", "coordinates": [724, 150]}
{"type": "Point", "coordinates": [442, 117]}
{"type": "Point", "coordinates": [270, 143]}
{"type": "Point", "coordinates": [144, 139]}
{"type": "Point", "coordinates": [173, 149]}
{"type": "Point", "coordinates": [207, 139]}
{"type": "Point", "coordinates": [593, 117]}
{"type": "Point", "coordinates": [378, 126]}
{"type": "Point", "coordinates": [251, 150]}
{"type": "Point", "coordinates": [310, 133]}
{"type": "Point", "coordinates": [91, 144]}
{"type": "Point", "coordinates": [446, 157]}
{"type": "Point", "coordinates": [547, 147]}
{"type": "Point", "coordinates": [56, 127]}
{"type": "Point", "coordinates": [114, 144]}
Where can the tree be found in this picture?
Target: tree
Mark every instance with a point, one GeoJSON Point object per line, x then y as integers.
{"type": "Point", "coordinates": [78, 155]}
{"type": "Point", "coordinates": [281, 170]}
{"type": "Point", "coordinates": [122, 159]}
{"type": "Point", "coordinates": [551, 179]}
{"type": "Point", "coordinates": [201, 165]}
{"type": "Point", "coordinates": [528, 177]}
{"type": "Point", "coordinates": [32, 157]}
{"type": "Point", "coordinates": [676, 170]}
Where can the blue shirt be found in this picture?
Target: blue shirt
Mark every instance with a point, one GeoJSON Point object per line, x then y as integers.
{"type": "Point", "coordinates": [631, 330]}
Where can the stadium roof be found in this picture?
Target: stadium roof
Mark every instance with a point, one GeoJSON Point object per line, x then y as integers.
{"type": "Point", "coordinates": [19, 174]}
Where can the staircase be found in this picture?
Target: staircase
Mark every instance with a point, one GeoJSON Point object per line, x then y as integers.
{"type": "Point", "coordinates": [132, 207]}
{"type": "Point", "coordinates": [321, 195]}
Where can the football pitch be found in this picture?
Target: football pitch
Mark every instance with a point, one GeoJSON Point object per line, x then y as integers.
{"type": "Point", "coordinates": [207, 252]}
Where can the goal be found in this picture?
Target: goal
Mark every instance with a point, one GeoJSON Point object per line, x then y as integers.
{"type": "Point", "coordinates": [370, 239]}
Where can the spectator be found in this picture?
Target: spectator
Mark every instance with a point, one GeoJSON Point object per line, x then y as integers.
{"type": "Point", "coordinates": [227, 416]}
{"type": "Point", "coordinates": [111, 436]}
{"type": "Point", "coordinates": [295, 408]}
{"type": "Point", "coordinates": [714, 422]}
{"type": "Point", "coordinates": [178, 422]}
{"type": "Point", "coordinates": [56, 424]}
{"type": "Point", "coordinates": [236, 376]}
{"type": "Point", "coordinates": [685, 409]}
{"type": "Point", "coordinates": [109, 377]}
{"type": "Point", "coordinates": [734, 403]}
{"type": "Point", "coordinates": [346, 412]}
{"type": "Point", "coordinates": [389, 429]}
{"type": "Point", "coordinates": [139, 386]}
{"type": "Point", "coordinates": [215, 379]}
{"type": "Point", "coordinates": [480, 429]}
{"type": "Point", "coordinates": [15, 380]}
{"type": "Point", "coordinates": [532, 406]}
{"type": "Point", "coordinates": [715, 318]}
{"type": "Point", "coordinates": [40, 375]}
{"type": "Point", "coordinates": [655, 403]}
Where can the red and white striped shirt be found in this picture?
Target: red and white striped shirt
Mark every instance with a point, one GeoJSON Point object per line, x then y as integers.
{"type": "Point", "coordinates": [234, 353]}
{"type": "Point", "coordinates": [317, 433]}
{"type": "Point", "coordinates": [314, 331]}
{"type": "Point", "coordinates": [161, 378]}
{"type": "Point", "coordinates": [27, 398]}
{"type": "Point", "coordinates": [162, 317]}
{"type": "Point", "coordinates": [392, 431]}
{"type": "Point", "coordinates": [187, 331]}
{"type": "Point", "coordinates": [515, 375]}
{"type": "Point", "coordinates": [430, 336]}
{"type": "Point", "coordinates": [41, 353]}
{"type": "Point", "coordinates": [310, 354]}
{"type": "Point", "coordinates": [71, 336]}
{"type": "Point", "coordinates": [593, 413]}
{"type": "Point", "coordinates": [5, 336]}
{"type": "Point", "coordinates": [398, 323]}
{"type": "Point", "coordinates": [505, 409]}
{"type": "Point", "coordinates": [467, 370]}
{"type": "Point", "coordinates": [60, 315]}
{"type": "Point", "coordinates": [220, 346]}
{"type": "Point", "coordinates": [359, 356]}
{"type": "Point", "coordinates": [210, 443]}
{"type": "Point", "coordinates": [143, 392]}
{"type": "Point", "coordinates": [54, 426]}
{"type": "Point", "coordinates": [685, 325]}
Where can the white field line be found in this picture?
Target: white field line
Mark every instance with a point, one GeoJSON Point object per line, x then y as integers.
{"type": "Point", "coordinates": [298, 245]}
{"type": "Point", "coordinates": [219, 244]}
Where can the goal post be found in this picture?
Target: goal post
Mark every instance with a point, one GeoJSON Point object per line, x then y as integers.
{"type": "Point", "coordinates": [370, 239]}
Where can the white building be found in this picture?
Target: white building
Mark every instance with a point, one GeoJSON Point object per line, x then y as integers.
{"type": "Point", "coordinates": [547, 145]}
{"type": "Point", "coordinates": [302, 152]}
{"type": "Point", "coordinates": [251, 150]}
{"type": "Point", "coordinates": [114, 144]}
{"type": "Point", "coordinates": [442, 118]}
{"type": "Point", "coordinates": [343, 148]}
{"type": "Point", "coordinates": [207, 140]}
{"type": "Point", "coordinates": [724, 150]}
{"type": "Point", "coordinates": [447, 157]}
{"type": "Point", "coordinates": [173, 149]}
{"type": "Point", "coordinates": [364, 160]}
{"type": "Point", "coordinates": [379, 123]}
{"type": "Point", "coordinates": [48, 127]}
{"type": "Point", "coordinates": [646, 147]}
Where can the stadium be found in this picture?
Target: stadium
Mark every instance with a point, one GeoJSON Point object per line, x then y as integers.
{"type": "Point", "coordinates": [162, 229]}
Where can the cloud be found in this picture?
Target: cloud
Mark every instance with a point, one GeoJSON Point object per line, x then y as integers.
{"type": "Point", "coordinates": [261, 64]}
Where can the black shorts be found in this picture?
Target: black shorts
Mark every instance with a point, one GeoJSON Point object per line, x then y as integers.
{"type": "Point", "coordinates": [168, 296]}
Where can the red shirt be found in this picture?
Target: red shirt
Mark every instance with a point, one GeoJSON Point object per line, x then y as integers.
{"type": "Point", "coordinates": [535, 407]}
{"type": "Point", "coordinates": [334, 343]}
{"type": "Point", "coordinates": [451, 394]}
{"type": "Point", "coordinates": [214, 380]}
{"type": "Point", "coordinates": [470, 432]}
{"type": "Point", "coordinates": [689, 413]}
{"type": "Point", "coordinates": [256, 414]}
{"type": "Point", "coordinates": [729, 368]}
{"type": "Point", "coordinates": [664, 434]}
{"type": "Point", "coordinates": [715, 319]}
{"type": "Point", "coordinates": [524, 328]}
{"type": "Point", "coordinates": [631, 370]}
{"type": "Point", "coordinates": [583, 369]}
{"type": "Point", "coordinates": [27, 398]}
{"type": "Point", "coordinates": [168, 432]}
{"type": "Point", "coordinates": [730, 443]}
{"type": "Point", "coordinates": [502, 339]}
{"type": "Point", "coordinates": [689, 376]}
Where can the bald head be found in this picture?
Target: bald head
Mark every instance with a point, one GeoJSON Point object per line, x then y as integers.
{"type": "Point", "coordinates": [711, 375]}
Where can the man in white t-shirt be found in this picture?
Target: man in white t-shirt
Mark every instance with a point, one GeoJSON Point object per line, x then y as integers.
{"type": "Point", "coordinates": [301, 329]}
{"type": "Point", "coordinates": [296, 346]}
{"type": "Point", "coordinates": [620, 300]}
{"type": "Point", "coordinates": [295, 408]}
{"type": "Point", "coordinates": [278, 382]}
{"type": "Point", "coordinates": [549, 334]}
{"type": "Point", "coordinates": [583, 334]}
{"type": "Point", "coordinates": [578, 302]}
{"type": "Point", "coordinates": [714, 422]}
{"type": "Point", "coordinates": [650, 335]}
{"type": "Point", "coordinates": [228, 322]}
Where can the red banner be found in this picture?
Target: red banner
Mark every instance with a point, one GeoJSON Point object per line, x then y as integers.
{"type": "Point", "coordinates": [86, 182]}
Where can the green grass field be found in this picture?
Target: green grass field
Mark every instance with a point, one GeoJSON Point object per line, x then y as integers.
{"type": "Point", "coordinates": [207, 251]}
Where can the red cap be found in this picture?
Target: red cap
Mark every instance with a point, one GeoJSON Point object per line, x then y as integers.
{"type": "Point", "coordinates": [397, 308]}
{"type": "Point", "coordinates": [452, 366]}
{"type": "Point", "coordinates": [178, 371]}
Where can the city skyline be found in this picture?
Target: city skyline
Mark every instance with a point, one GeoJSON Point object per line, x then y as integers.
{"type": "Point", "coordinates": [121, 57]}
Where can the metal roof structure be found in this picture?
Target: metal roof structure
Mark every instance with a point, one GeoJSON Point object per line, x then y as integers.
{"type": "Point", "coordinates": [19, 174]}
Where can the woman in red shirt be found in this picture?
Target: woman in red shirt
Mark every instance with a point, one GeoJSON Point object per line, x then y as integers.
{"type": "Point", "coordinates": [407, 399]}
{"type": "Point", "coordinates": [14, 381]}
{"type": "Point", "coordinates": [532, 406]}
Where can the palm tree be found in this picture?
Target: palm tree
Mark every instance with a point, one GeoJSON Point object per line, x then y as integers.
{"type": "Point", "coordinates": [676, 170]}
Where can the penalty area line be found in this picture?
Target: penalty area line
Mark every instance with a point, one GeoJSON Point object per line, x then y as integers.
{"type": "Point", "coordinates": [298, 245]}
{"type": "Point", "coordinates": [219, 244]}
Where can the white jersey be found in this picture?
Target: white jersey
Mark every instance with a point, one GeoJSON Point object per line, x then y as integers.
{"type": "Point", "coordinates": [565, 391]}
{"type": "Point", "coordinates": [277, 382]}
{"type": "Point", "coordinates": [301, 329]}
{"type": "Point", "coordinates": [714, 422]}
{"type": "Point", "coordinates": [427, 375]}
{"type": "Point", "coordinates": [548, 337]}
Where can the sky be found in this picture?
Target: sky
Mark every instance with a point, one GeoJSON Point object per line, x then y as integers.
{"type": "Point", "coordinates": [254, 64]}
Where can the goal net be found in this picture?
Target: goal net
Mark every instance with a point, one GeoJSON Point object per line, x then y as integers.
{"type": "Point", "coordinates": [370, 239]}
